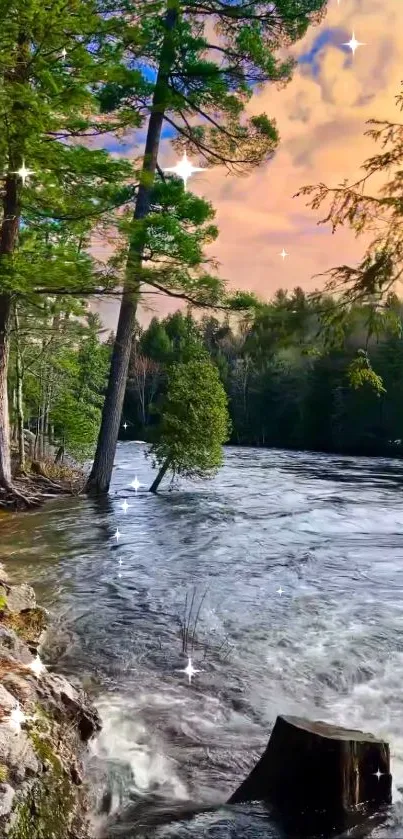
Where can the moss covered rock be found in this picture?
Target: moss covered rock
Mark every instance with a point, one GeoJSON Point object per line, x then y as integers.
{"type": "Point", "coordinates": [44, 726]}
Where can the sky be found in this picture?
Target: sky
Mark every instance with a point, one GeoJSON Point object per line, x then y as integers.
{"type": "Point", "coordinates": [321, 116]}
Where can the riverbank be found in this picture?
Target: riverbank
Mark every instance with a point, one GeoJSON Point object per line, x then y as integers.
{"type": "Point", "coordinates": [40, 481]}
{"type": "Point", "coordinates": [45, 724]}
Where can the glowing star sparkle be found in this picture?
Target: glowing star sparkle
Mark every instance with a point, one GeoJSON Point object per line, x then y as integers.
{"type": "Point", "coordinates": [280, 591]}
{"type": "Point", "coordinates": [135, 484]}
{"type": "Point", "coordinates": [120, 562]}
{"type": "Point", "coordinates": [378, 774]}
{"type": "Point", "coordinates": [24, 173]}
{"type": "Point", "coordinates": [125, 425]}
{"type": "Point", "coordinates": [283, 254]}
{"type": "Point", "coordinates": [37, 666]}
{"type": "Point", "coordinates": [189, 670]}
{"type": "Point", "coordinates": [17, 717]}
{"type": "Point", "coordinates": [125, 506]}
{"type": "Point", "coordinates": [353, 44]}
{"type": "Point", "coordinates": [117, 534]}
{"type": "Point", "coordinates": [184, 169]}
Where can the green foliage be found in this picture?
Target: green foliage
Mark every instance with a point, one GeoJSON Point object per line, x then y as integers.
{"type": "Point", "coordinates": [360, 372]}
{"type": "Point", "coordinates": [378, 216]}
{"type": "Point", "coordinates": [289, 381]}
{"type": "Point", "coordinates": [48, 109]}
{"type": "Point", "coordinates": [202, 87]}
{"type": "Point", "coordinates": [194, 420]}
{"type": "Point", "coordinates": [72, 73]}
{"type": "Point", "coordinates": [64, 367]}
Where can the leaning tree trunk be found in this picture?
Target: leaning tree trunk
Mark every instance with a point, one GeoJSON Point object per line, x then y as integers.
{"type": "Point", "coordinates": [164, 468]}
{"type": "Point", "coordinates": [101, 473]}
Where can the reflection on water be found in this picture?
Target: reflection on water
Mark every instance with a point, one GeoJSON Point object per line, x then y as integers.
{"type": "Point", "coordinates": [325, 531]}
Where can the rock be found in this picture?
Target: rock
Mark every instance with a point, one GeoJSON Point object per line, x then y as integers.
{"type": "Point", "coordinates": [17, 753]}
{"type": "Point", "coordinates": [74, 706]}
{"type": "Point", "coordinates": [20, 598]}
{"type": "Point", "coordinates": [21, 688]}
{"type": "Point", "coordinates": [42, 794]}
{"type": "Point", "coordinates": [6, 799]}
{"type": "Point", "coordinates": [319, 778]}
{"type": "Point", "coordinates": [29, 440]}
{"type": "Point", "coordinates": [30, 624]}
{"type": "Point", "coordinates": [7, 701]}
{"type": "Point", "coordinates": [12, 648]}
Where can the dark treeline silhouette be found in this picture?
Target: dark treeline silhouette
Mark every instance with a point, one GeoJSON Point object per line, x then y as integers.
{"type": "Point", "coordinates": [289, 371]}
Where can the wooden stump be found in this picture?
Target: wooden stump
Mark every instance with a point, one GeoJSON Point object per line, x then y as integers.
{"type": "Point", "coordinates": [318, 777]}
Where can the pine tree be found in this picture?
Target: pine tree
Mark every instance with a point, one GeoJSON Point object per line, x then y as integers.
{"type": "Point", "coordinates": [53, 58]}
{"type": "Point", "coordinates": [194, 422]}
{"type": "Point", "coordinates": [377, 213]}
{"type": "Point", "coordinates": [200, 90]}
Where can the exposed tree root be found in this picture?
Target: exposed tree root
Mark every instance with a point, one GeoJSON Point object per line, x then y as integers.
{"type": "Point", "coordinates": [28, 493]}
{"type": "Point", "coordinates": [12, 499]}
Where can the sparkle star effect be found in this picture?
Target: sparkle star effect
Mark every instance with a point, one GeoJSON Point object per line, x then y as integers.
{"type": "Point", "coordinates": [378, 774]}
{"type": "Point", "coordinates": [37, 666]}
{"type": "Point", "coordinates": [117, 534]}
{"type": "Point", "coordinates": [353, 44]}
{"type": "Point", "coordinates": [24, 173]}
{"type": "Point", "coordinates": [190, 670]}
{"type": "Point", "coordinates": [125, 506]}
{"type": "Point", "coordinates": [184, 169]}
{"type": "Point", "coordinates": [125, 425]}
{"type": "Point", "coordinates": [283, 254]}
{"type": "Point", "coordinates": [280, 591]}
{"type": "Point", "coordinates": [135, 484]}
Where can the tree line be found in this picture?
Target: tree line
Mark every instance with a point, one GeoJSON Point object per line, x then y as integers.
{"type": "Point", "coordinates": [289, 382]}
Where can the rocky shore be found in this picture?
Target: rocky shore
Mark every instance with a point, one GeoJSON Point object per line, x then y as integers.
{"type": "Point", "coordinates": [45, 724]}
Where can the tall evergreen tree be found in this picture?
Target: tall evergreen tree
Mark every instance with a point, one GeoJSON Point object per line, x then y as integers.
{"type": "Point", "coordinates": [209, 57]}
{"type": "Point", "coordinates": [53, 58]}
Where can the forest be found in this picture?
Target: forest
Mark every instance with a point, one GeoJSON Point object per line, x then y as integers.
{"type": "Point", "coordinates": [291, 379]}
{"type": "Point", "coordinates": [290, 383]}
{"type": "Point", "coordinates": [80, 80]}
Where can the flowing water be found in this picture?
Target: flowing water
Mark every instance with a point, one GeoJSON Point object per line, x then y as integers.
{"type": "Point", "coordinates": [298, 561]}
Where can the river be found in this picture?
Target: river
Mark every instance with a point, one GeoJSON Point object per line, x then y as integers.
{"type": "Point", "coordinates": [299, 559]}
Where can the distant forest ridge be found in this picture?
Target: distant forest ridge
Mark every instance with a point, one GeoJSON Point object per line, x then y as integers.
{"type": "Point", "coordinates": [300, 373]}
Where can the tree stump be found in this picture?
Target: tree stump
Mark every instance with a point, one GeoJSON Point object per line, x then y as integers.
{"type": "Point", "coordinates": [319, 778]}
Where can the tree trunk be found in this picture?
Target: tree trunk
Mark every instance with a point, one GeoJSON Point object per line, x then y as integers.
{"type": "Point", "coordinates": [20, 403]}
{"type": "Point", "coordinates": [8, 240]}
{"type": "Point", "coordinates": [319, 778]}
{"type": "Point", "coordinates": [5, 455]}
{"type": "Point", "coordinates": [164, 468]}
{"type": "Point", "coordinates": [60, 454]}
{"type": "Point", "coordinates": [101, 472]}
